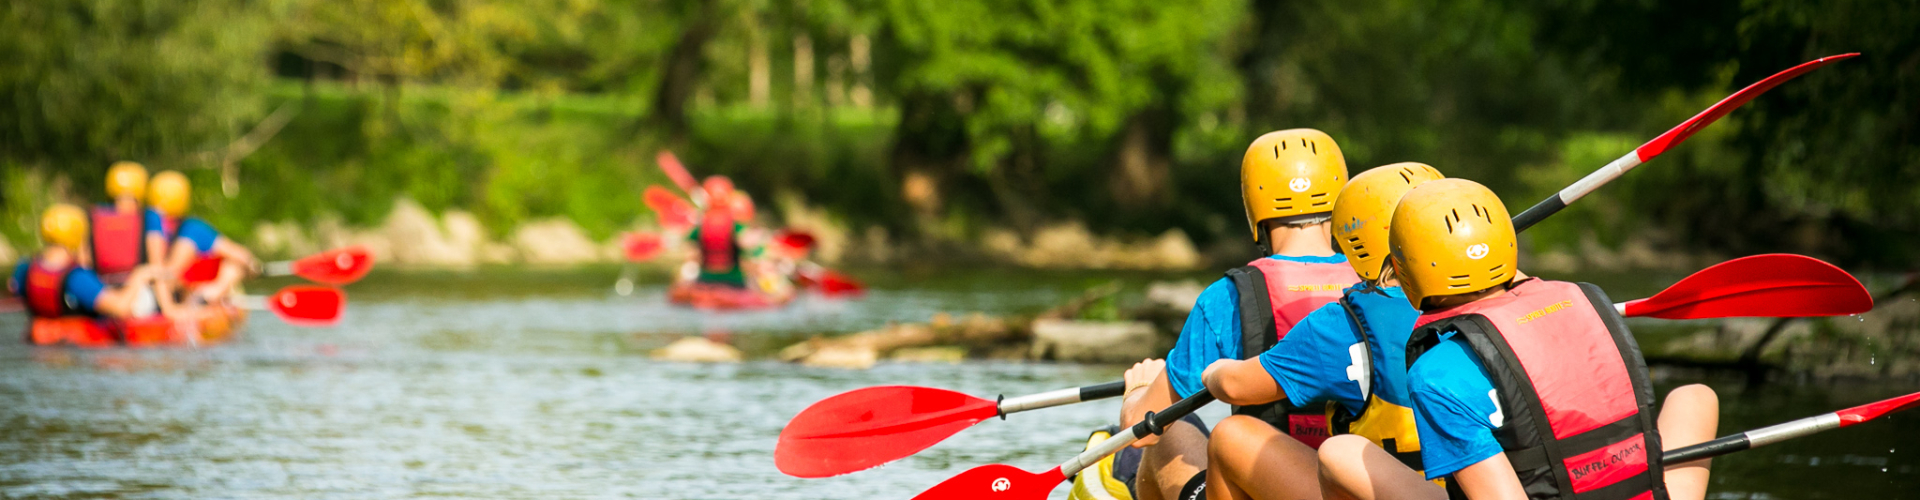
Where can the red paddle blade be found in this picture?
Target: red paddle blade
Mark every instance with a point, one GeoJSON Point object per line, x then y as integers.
{"type": "Point", "coordinates": [641, 246]}
{"type": "Point", "coordinates": [1872, 411]}
{"type": "Point", "coordinates": [1772, 285]}
{"type": "Point", "coordinates": [864, 428]}
{"type": "Point", "coordinates": [995, 482]}
{"type": "Point", "coordinates": [794, 238]}
{"type": "Point", "coordinates": [335, 267]}
{"type": "Point", "coordinates": [832, 283]}
{"type": "Point", "coordinates": [202, 271]}
{"type": "Point", "coordinates": [1686, 129]}
{"type": "Point", "coordinates": [308, 305]}
{"type": "Point", "coordinates": [676, 172]}
{"type": "Point", "coordinates": [672, 210]}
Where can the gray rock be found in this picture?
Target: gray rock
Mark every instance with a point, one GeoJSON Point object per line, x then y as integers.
{"type": "Point", "coordinates": [1094, 341]}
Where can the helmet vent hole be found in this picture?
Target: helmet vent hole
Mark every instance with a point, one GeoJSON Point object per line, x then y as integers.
{"type": "Point", "coordinates": [1315, 146]}
{"type": "Point", "coordinates": [1319, 195]}
{"type": "Point", "coordinates": [1404, 177]}
{"type": "Point", "coordinates": [1283, 200]}
{"type": "Point", "coordinates": [1496, 269]}
{"type": "Point", "coordinates": [1276, 150]}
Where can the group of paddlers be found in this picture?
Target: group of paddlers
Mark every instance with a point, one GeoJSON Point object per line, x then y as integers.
{"type": "Point", "coordinates": [1388, 347]}
{"type": "Point", "coordinates": [136, 268]}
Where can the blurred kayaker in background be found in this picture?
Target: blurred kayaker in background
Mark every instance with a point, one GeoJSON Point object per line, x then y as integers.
{"type": "Point", "coordinates": [199, 260]}
{"type": "Point", "coordinates": [122, 230]}
{"type": "Point", "coordinates": [1577, 422]}
{"type": "Point", "coordinates": [718, 237]}
{"type": "Point", "coordinates": [66, 301]}
{"type": "Point", "coordinates": [1349, 353]}
{"type": "Point", "coordinates": [1289, 181]}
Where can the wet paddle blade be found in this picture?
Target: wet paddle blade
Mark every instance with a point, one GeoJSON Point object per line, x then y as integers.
{"type": "Point", "coordinates": [794, 239]}
{"type": "Point", "coordinates": [1872, 411]}
{"type": "Point", "coordinates": [308, 305]}
{"type": "Point", "coordinates": [335, 267]}
{"type": "Point", "coordinates": [671, 210]}
{"type": "Point", "coordinates": [1686, 129]}
{"type": "Point", "coordinates": [640, 247]}
{"type": "Point", "coordinates": [1772, 285]}
{"type": "Point", "coordinates": [997, 482]}
{"type": "Point", "coordinates": [864, 428]}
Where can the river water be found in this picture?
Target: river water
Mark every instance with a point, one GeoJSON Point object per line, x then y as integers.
{"type": "Point", "coordinates": [518, 384]}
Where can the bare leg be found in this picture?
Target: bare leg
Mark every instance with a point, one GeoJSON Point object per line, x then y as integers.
{"type": "Point", "coordinates": [1690, 415]}
{"type": "Point", "coordinates": [1353, 468]}
{"type": "Point", "coordinates": [1166, 466]}
{"type": "Point", "coordinates": [1249, 458]}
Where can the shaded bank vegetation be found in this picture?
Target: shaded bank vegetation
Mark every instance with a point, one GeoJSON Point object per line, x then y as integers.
{"type": "Point", "coordinates": [938, 122]}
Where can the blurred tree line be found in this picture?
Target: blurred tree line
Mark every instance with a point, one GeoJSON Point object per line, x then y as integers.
{"type": "Point", "coordinates": [935, 120]}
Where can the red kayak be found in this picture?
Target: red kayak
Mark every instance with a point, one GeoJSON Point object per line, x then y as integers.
{"type": "Point", "coordinates": [722, 297]}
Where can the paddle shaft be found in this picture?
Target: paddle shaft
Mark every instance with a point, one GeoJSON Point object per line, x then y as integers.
{"type": "Point", "coordinates": [1155, 423]}
{"type": "Point", "coordinates": [1659, 145]}
{"type": "Point", "coordinates": [1753, 438]}
{"type": "Point", "coordinates": [1782, 432]}
{"type": "Point", "coordinates": [1061, 397]}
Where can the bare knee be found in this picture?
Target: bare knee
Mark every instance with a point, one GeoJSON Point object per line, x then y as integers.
{"type": "Point", "coordinates": [1340, 456]}
{"type": "Point", "coordinates": [1695, 397]}
{"type": "Point", "coordinates": [1237, 427]}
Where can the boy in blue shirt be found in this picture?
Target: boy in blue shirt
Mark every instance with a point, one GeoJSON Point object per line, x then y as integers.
{"type": "Point", "coordinates": [54, 285]}
{"type": "Point", "coordinates": [1289, 182]}
{"type": "Point", "coordinates": [1350, 353]}
{"type": "Point", "coordinates": [1521, 388]}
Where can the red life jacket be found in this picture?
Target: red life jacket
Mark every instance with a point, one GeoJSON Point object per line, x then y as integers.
{"type": "Point", "coordinates": [46, 290]}
{"type": "Point", "coordinates": [51, 321]}
{"type": "Point", "coordinates": [1573, 389]}
{"type": "Point", "coordinates": [119, 241]}
{"type": "Point", "coordinates": [1275, 295]}
{"type": "Point", "coordinates": [719, 253]}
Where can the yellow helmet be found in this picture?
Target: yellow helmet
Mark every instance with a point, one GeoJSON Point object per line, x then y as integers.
{"type": "Point", "coordinates": [127, 179]}
{"type": "Point", "coordinates": [1450, 237]}
{"type": "Point", "coordinates": [1290, 173]}
{"type": "Point", "coordinates": [171, 193]}
{"type": "Point", "coordinates": [1365, 210]}
{"type": "Point", "coordinates": [64, 225]}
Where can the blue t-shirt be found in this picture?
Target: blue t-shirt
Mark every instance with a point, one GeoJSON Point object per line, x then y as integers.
{"type": "Point", "coordinates": [1321, 359]}
{"type": "Point", "coordinates": [83, 287]}
{"type": "Point", "coordinates": [200, 233]}
{"type": "Point", "coordinates": [1455, 407]}
{"type": "Point", "coordinates": [1212, 332]}
{"type": "Point", "coordinates": [156, 224]}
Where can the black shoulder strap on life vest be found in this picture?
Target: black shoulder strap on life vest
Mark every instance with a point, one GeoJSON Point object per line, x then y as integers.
{"type": "Point", "coordinates": [1257, 330]}
{"type": "Point", "coordinates": [1257, 334]}
{"type": "Point", "coordinates": [1342, 422]}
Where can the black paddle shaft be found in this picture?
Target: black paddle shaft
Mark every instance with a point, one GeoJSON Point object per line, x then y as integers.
{"type": "Point", "coordinates": [1112, 389]}
{"type": "Point", "coordinates": [1539, 212]}
{"type": "Point", "coordinates": [1157, 422]}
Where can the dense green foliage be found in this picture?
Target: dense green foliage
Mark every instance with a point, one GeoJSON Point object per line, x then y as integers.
{"type": "Point", "coordinates": [1128, 115]}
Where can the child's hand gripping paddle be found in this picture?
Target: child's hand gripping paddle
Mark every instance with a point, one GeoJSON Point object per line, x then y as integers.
{"type": "Point", "coordinates": [864, 428]}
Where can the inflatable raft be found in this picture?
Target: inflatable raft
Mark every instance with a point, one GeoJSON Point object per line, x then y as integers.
{"type": "Point", "coordinates": [218, 325]}
{"type": "Point", "coordinates": [722, 297]}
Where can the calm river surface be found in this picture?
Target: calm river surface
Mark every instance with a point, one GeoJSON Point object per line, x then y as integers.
{"type": "Point", "coordinates": [517, 384]}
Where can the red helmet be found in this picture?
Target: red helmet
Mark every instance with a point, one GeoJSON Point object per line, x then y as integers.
{"type": "Point", "coordinates": [719, 189]}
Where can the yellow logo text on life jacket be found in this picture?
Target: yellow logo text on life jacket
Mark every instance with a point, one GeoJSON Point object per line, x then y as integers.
{"type": "Point", "coordinates": [1542, 312]}
{"type": "Point", "coordinates": [1330, 287]}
